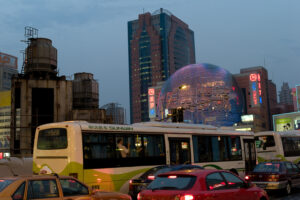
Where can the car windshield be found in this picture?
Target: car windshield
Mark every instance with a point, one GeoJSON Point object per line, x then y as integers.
{"type": "Point", "coordinates": [4, 184]}
{"type": "Point", "coordinates": [267, 167]}
{"type": "Point", "coordinates": [172, 182]}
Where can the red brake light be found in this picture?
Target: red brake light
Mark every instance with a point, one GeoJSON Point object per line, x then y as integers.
{"type": "Point", "coordinates": [130, 181]}
{"type": "Point", "coordinates": [247, 178]}
{"type": "Point", "coordinates": [172, 176]}
{"type": "Point", "coordinates": [268, 164]}
{"type": "Point", "coordinates": [151, 177]}
{"type": "Point", "coordinates": [187, 197]}
{"type": "Point", "coordinates": [138, 196]}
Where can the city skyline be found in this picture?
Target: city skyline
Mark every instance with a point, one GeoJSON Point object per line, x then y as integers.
{"type": "Point", "coordinates": [91, 36]}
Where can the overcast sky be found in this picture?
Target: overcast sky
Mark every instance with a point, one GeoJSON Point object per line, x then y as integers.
{"type": "Point", "coordinates": [91, 35]}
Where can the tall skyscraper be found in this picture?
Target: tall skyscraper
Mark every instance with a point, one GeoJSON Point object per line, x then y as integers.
{"type": "Point", "coordinates": [158, 45]}
{"type": "Point", "coordinates": [285, 94]}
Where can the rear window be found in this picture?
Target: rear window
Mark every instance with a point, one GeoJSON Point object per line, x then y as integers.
{"type": "Point", "coordinates": [172, 182]}
{"type": "Point", "coordinates": [267, 167]}
{"type": "Point", "coordinates": [54, 138]}
{"type": "Point", "coordinates": [4, 184]}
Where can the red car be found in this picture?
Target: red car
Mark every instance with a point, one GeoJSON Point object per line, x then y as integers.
{"type": "Point", "coordinates": [201, 185]}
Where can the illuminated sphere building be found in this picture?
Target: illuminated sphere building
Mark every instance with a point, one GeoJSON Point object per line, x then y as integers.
{"type": "Point", "coordinates": [208, 94]}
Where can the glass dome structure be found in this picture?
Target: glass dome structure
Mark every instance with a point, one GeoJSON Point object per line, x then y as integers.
{"type": "Point", "coordinates": [208, 94]}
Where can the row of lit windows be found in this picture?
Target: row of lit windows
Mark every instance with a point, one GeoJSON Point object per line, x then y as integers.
{"type": "Point", "coordinates": [4, 120]}
{"type": "Point", "coordinates": [5, 114]}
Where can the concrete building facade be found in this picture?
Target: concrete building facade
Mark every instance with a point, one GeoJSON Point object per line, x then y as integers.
{"type": "Point", "coordinates": [40, 95]}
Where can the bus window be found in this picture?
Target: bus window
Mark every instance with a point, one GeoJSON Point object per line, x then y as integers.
{"type": "Point", "coordinates": [217, 148]}
{"type": "Point", "coordinates": [291, 146]}
{"type": "Point", "coordinates": [97, 146]}
{"type": "Point", "coordinates": [102, 150]}
{"type": "Point", "coordinates": [264, 142]}
{"type": "Point", "coordinates": [54, 138]}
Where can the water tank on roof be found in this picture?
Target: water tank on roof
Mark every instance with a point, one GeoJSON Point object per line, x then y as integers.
{"type": "Point", "coordinates": [41, 57]}
{"type": "Point", "coordinates": [85, 91]}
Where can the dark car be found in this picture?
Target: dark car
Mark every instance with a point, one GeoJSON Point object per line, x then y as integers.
{"type": "Point", "coordinates": [136, 185]}
{"type": "Point", "coordinates": [275, 175]}
{"type": "Point", "coordinates": [201, 184]}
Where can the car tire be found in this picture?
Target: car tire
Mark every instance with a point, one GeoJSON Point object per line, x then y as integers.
{"type": "Point", "coordinates": [288, 189]}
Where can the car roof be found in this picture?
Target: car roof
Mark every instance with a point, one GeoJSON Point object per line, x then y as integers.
{"type": "Point", "coordinates": [193, 172]}
{"type": "Point", "coordinates": [184, 166]}
{"type": "Point", "coordinates": [40, 176]}
{"type": "Point", "coordinates": [275, 161]}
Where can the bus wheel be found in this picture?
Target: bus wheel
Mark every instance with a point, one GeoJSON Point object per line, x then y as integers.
{"type": "Point", "coordinates": [234, 171]}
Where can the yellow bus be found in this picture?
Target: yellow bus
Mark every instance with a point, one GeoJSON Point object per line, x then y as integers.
{"type": "Point", "coordinates": [107, 156]}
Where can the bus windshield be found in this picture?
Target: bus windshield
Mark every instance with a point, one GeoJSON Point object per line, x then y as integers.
{"type": "Point", "coordinates": [53, 138]}
{"type": "Point", "coordinates": [265, 142]}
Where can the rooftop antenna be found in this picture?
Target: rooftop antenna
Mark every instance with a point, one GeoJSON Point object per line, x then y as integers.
{"type": "Point", "coordinates": [30, 32]}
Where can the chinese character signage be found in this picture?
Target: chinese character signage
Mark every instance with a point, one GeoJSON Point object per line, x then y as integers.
{"type": "Point", "coordinates": [255, 89]}
{"type": "Point", "coordinates": [151, 102]}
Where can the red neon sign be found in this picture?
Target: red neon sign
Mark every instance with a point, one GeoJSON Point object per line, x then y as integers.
{"type": "Point", "coordinates": [151, 98]}
{"type": "Point", "coordinates": [253, 77]}
{"type": "Point", "coordinates": [254, 97]}
{"type": "Point", "coordinates": [151, 91]}
{"type": "Point", "coordinates": [152, 104]}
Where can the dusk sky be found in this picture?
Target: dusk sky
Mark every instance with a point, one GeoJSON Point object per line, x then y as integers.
{"type": "Point", "coordinates": [91, 36]}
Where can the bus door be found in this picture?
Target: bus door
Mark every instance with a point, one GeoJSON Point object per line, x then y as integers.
{"type": "Point", "coordinates": [180, 150]}
{"type": "Point", "coordinates": [250, 155]}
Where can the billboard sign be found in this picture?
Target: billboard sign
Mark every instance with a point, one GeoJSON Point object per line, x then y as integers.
{"type": "Point", "coordinates": [8, 60]}
{"type": "Point", "coordinates": [284, 124]}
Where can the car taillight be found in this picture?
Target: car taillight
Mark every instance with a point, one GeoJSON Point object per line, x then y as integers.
{"type": "Point", "coordinates": [274, 178]}
{"type": "Point", "coordinates": [247, 178]}
{"type": "Point", "coordinates": [184, 197]}
{"type": "Point", "coordinates": [139, 196]}
{"type": "Point", "coordinates": [151, 177]}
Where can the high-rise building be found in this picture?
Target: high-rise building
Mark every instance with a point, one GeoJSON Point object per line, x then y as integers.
{"type": "Point", "coordinates": [8, 67]}
{"type": "Point", "coordinates": [259, 95]}
{"type": "Point", "coordinates": [285, 94]}
{"type": "Point", "coordinates": [116, 112]}
{"type": "Point", "coordinates": [158, 45]}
